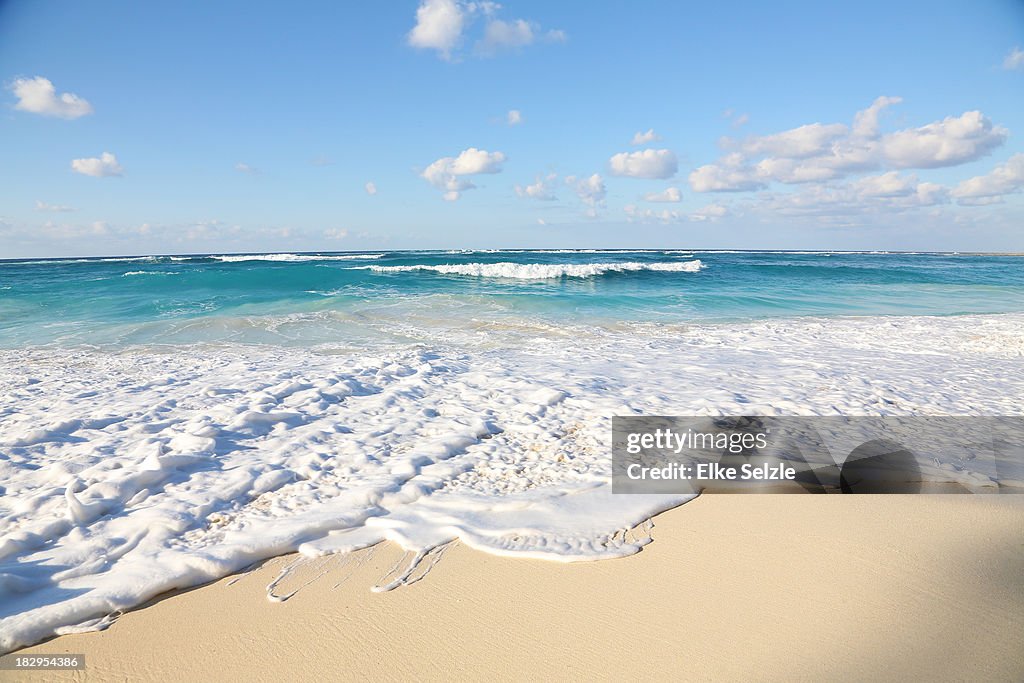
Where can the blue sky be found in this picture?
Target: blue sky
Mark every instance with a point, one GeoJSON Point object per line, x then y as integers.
{"type": "Point", "coordinates": [248, 126]}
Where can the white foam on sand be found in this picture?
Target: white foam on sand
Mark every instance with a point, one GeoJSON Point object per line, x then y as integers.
{"type": "Point", "coordinates": [539, 271]}
{"type": "Point", "coordinates": [128, 474]}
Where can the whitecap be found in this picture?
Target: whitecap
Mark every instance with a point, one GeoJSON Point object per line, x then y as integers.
{"type": "Point", "coordinates": [540, 271]}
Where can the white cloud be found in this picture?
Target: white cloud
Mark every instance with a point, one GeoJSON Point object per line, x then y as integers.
{"type": "Point", "coordinates": [510, 35]}
{"type": "Point", "coordinates": [439, 25]}
{"type": "Point", "coordinates": [711, 212]}
{"type": "Point", "coordinates": [37, 95]}
{"type": "Point", "coordinates": [798, 143]}
{"type": "Point", "coordinates": [246, 168]}
{"type": "Point", "coordinates": [793, 171]}
{"type": "Point", "coordinates": [723, 177]}
{"type": "Point", "coordinates": [98, 167]}
{"type": "Point", "coordinates": [634, 214]}
{"type": "Point", "coordinates": [541, 189]}
{"type": "Point", "coordinates": [890, 184]}
{"type": "Point", "coordinates": [952, 141]}
{"type": "Point", "coordinates": [43, 206]}
{"type": "Point", "coordinates": [591, 191]}
{"type": "Point", "coordinates": [644, 138]}
{"type": "Point", "coordinates": [865, 122]}
{"type": "Point", "coordinates": [648, 163]}
{"type": "Point", "coordinates": [447, 173]}
{"type": "Point", "coordinates": [1004, 179]}
{"type": "Point", "coordinates": [671, 194]}
{"type": "Point", "coordinates": [371, 188]}
{"type": "Point", "coordinates": [817, 152]}
{"type": "Point", "coordinates": [887, 193]}
{"type": "Point", "coordinates": [506, 34]}
{"type": "Point", "coordinates": [514, 117]}
{"type": "Point", "coordinates": [336, 233]}
{"type": "Point", "coordinates": [1014, 59]}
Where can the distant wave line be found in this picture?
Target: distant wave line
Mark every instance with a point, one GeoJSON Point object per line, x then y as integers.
{"type": "Point", "coordinates": [539, 271]}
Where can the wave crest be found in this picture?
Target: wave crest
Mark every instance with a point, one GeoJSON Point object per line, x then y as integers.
{"type": "Point", "coordinates": [540, 271]}
{"type": "Point", "coordinates": [295, 257]}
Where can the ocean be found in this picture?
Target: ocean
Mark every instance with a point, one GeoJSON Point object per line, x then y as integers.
{"type": "Point", "coordinates": [168, 420]}
{"type": "Point", "coordinates": [351, 298]}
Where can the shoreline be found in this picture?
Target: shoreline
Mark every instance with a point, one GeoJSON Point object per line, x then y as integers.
{"type": "Point", "coordinates": [179, 468]}
{"type": "Point", "coordinates": [853, 587]}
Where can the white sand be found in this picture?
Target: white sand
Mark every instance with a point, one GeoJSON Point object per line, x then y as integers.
{"type": "Point", "coordinates": [761, 587]}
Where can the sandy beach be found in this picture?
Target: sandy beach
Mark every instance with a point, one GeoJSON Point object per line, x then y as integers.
{"type": "Point", "coordinates": [454, 340]}
{"type": "Point", "coordinates": [766, 587]}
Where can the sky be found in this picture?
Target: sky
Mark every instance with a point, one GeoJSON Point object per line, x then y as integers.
{"type": "Point", "coordinates": [199, 127]}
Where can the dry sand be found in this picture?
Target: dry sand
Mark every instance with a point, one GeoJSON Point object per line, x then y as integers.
{"type": "Point", "coordinates": [762, 587]}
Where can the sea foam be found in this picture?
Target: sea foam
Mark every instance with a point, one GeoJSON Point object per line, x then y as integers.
{"type": "Point", "coordinates": [295, 258]}
{"type": "Point", "coordinates": [540, 271]}
{"type": "Point", "coordinates": [131, 473]}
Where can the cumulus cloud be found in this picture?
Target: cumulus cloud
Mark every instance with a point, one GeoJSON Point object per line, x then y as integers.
{"type": "Point", "coordinates": [821, 152]}
{"type": "Point", "coordinates": [671, 194]}
{"type": "Point", "coordinates": [242, 167]}
{"type": "Point", "coordinates": [711, 212]}
{"type": "Point", "coordinates": [887, 193]}
{"type": "Point", "coordinates": [1014, 59]}
{"type": "Point", "coordinates": [865, 122]}
{"type": "Point", "coordinates": [728, 175]}
{"type": "Point", "coordinates": [510, 35]}
{"type": "Point", "coordinates": [438, 26]}
{"type": "Point", "coordinates": [514, 117]}
{"type": "Point", "coordinates": [54, 208]}
{"type": "Point", "coordinates": [640, 138]}
{"type": "Point", "coordinates": [798, 143]}
{"type": "Point", "coordinates": [448, 173]}
{"type": "Point", "coordinates": [591, 191]}
{"type": "Point", "coordinates": [890, 184]}
{"type": "Point", "coordinates": [441, 25]}
{"type": "Point", "coordinates": [506, 34]}
{"type": "Point", "coordinates": [793, 171]}
{"type": "Point", "coordinates": [335, 233]}
{"type": "Point", "coordinates": [371, 188]}
{"type": "Point", "coordinates": [952, 141]}
{"type": "Point", "coordinates": [39, 96]}
{"type": "Point", "coordinates": [98, 167]}
{"type": "Point", "coordinates": [635, 214]}
{"type": "Point", "coordinates": [541, 189]}
{"type": "Point", "coordinates": [647, 163]}
{"type": "Point", "coordinates": [1007, 178]}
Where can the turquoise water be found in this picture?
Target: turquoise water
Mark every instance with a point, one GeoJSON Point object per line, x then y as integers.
{"type": "Point", "coordinates": [337, 297]}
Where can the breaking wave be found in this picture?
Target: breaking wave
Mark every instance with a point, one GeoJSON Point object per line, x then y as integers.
{"type": "Point", "coordinates": [291, 258]}
{"type": "Point", "coordinates": [540, 271]}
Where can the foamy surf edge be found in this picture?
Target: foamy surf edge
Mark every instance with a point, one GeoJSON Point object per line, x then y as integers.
{"type": "Point", "coordinates": [295, 258]}
{"type": "Point", "coordinates": [540, 271]}
{"type": "Point", "coordinates": [133, 473]}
